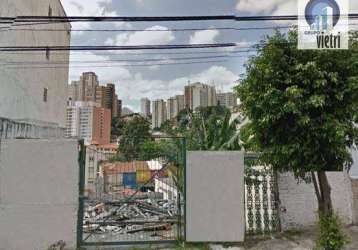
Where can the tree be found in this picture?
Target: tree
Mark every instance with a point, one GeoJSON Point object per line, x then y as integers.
{"type": "Point", "coordinates": [302, 106]}
{"type": "Point", "coordinates": [209, 128]}
{"type": "Point", "coordinates": [117, 126]}
{"type": "Point", "coordinates": [134, 133]}
{"type": "Point", "coordinates": [166, 148]}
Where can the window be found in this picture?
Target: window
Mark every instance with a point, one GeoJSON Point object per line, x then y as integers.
{"type": "Point", "coordinates": [45, 94]}
{"type": "Point", "coordinates": [48, 53]}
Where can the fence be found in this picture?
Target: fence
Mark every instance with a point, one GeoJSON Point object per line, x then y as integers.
{"type": "Point", "coordinates": [134, 201]}
{"type": "Point", "coordinates": [261, 198]}
{"type": "Point", "coordinates": [142, 201]}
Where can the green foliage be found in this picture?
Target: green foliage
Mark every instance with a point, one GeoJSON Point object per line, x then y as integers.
{"type": "Point", "coordinates": [209, 128]}
{"type": "Point", "coordinates": [192, 246]}
{"type": "Point", "coordinates": [151, 149]}
{"type": "Point", "coordinates": [301, 105]}
{"type": "Point", "coordinates": [117, 126]}
{"type": "Point", "coordinates": [331, 236]}
{"type": "Point", "coordinates": [135, 132]}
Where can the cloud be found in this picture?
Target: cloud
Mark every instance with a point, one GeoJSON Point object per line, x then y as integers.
{"type": "Point", "coordinates": [86, 8]}
{"type": "Point", "coordinates": [276, 7]}
{"type": "Point", "coordinates": [130, 90]}
{"type": "Point", "coordinates": [140, 2]}
{"type": "Point", "coordinates": [219, 76]}
{"type": "Point", "coordinates": [105, 74]}
{"type": "Point", "coordinates": [143, 37]}
{"type": "Point", "coordinates": [132, 85]}
{"type": "Point", "coordinates": [204, 36]}
{"type": "Point", "coordinates": [264, 7]}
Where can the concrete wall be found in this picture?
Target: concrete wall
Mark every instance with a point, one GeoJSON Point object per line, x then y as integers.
{"type": "Point", "coordinates": [298, 203]}
{"type": "Point", "coordinates": [354, 175]}
{"type": "Point", "coordinates": [354, 169]}
{"type": "Point", "coordinates": [38, 193]}
{"type": "Point", "coordinates": [11, 129]}
{"type": "Point", "coordinates": [355, 201]}
{"type": "Point", "coordinates": [215, 197]}
{"type": "Point", "coordinates": [22, 84]}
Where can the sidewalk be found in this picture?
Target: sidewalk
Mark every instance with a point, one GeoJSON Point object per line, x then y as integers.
{"type": "Point", "coordinates": [292, 240]}
{"type": "Point", "coordinates": [304, 240]}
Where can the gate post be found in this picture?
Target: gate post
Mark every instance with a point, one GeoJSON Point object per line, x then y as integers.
{"type": "Point", "coordinates": [184, 186]}
{"type": "Point", "coordinates": [81, 186]}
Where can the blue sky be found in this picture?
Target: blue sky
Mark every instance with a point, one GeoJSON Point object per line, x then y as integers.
{"type": "Point", "coordinates": [155, 82]}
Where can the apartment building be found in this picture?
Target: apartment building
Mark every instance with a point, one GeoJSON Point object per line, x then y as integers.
{"type": "Point", "coordinates": [107, 98]}
{"type": "Point", "coordinates": [228, 100]}
{"type": "Point", "coordinates": [88, 121]}
{"type": "Point", "coordinates": [87, 89]}
{"type": "Point", "coordinates": [145, 107]}
{"type": "Point", "coordinates": [159, 113]}
{"type": "Point", "coordinates": [199, 95]}
{"type": "Point", "coordinates": [171, 108]}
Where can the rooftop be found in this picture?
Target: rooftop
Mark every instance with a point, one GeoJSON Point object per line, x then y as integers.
{"type": "Point", "coordinates": [124, 167]}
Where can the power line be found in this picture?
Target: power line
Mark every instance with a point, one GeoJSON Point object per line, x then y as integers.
{"type": "Point", "coordinates": [113, 48]}
{"type": "Point", "coordinates": [23, 19]}
{"type": "Point", "coordinates": [52, 19]}
{"type": "Point", "coordinates": [6, 29]}
{"type": "Point", "coordinates": [152, 30]}
{"type": "Point", "coordinates": [120, 60]}
{"type": "Point", "coordinates": [114, 66]}
{"type": "Point", "coordinates": [134, 53]}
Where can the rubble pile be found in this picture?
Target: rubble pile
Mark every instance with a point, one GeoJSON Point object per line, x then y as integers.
{"type": "Point", "coordinates": [123, 217]}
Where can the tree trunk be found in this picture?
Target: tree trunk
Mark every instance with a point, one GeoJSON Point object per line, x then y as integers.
{"type": "Point", "coordinates": [323, 193]}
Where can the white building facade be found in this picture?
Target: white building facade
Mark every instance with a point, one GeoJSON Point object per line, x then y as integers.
{"type": "Point", "coordinates": [171, 108]}
{"type": "Point", "coordinates": [30, 89]}
{"type": "Point", "coordinates": [145, 107]}
{"type": "Point", "coordinates": [200, 95]}
{"type": "Point", "coordinates": [159, 113]}
{"type": "Point", "coordinates": [228, 100]}
{"type": "Point", "coordinates": [79, 123]}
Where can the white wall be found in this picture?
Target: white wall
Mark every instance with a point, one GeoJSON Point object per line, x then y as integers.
{"type": "Point", "coordinates": [354, 169]}
{"type": "Point", "coordinates": [38, 193]}
{"type": "Point", "coordinates": [298, 203]}
{"type": "Point", "coordinates": [22, 86]}
{"type": "Point", "coordinates": [354, 175]}
{"type": "Point", "coordinates": [215, 197]}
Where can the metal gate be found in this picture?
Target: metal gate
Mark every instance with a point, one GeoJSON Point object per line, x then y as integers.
{"type": "Point", "coordinates": [140, 201]}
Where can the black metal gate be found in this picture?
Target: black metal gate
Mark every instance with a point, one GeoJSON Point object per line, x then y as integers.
{"type": "Point", "coordinates": [140, 201]}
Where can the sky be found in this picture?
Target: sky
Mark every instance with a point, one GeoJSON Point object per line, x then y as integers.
{"type": "Point", "coordinates": [162, 82]}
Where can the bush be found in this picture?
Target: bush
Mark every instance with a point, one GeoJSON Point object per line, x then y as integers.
{"type": "Point", "coordinates": [330, 233]}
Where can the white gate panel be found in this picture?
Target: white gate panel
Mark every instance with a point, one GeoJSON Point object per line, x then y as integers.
{"type": "Point", "coordinates": [215, 210]}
